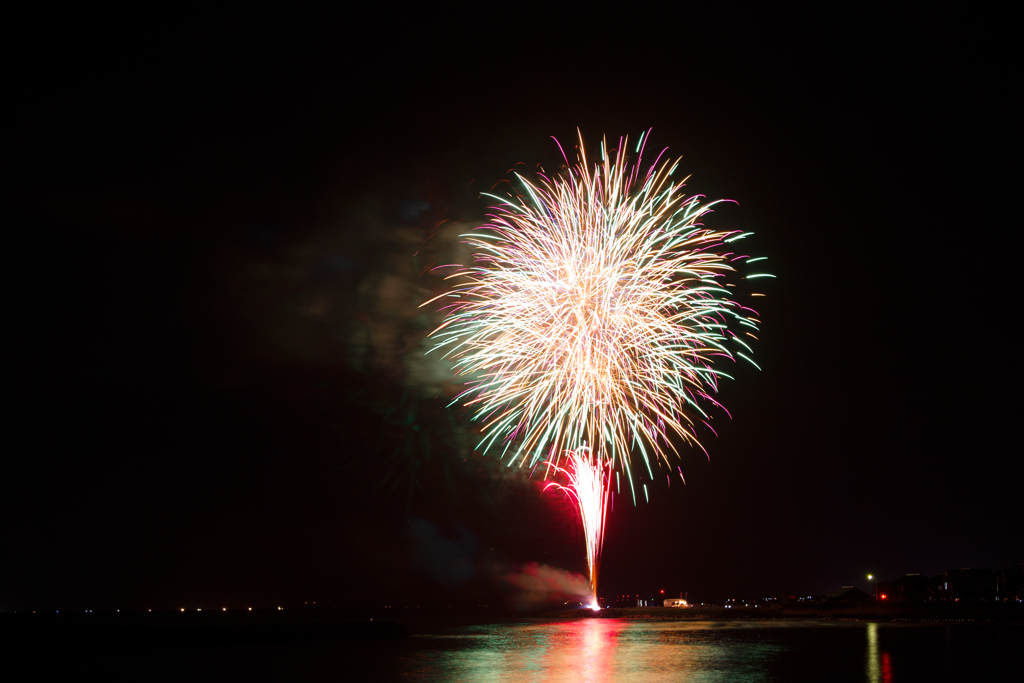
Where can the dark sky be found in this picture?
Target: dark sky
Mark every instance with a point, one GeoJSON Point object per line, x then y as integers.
{"type": "Point", "coordinates": [214, 222]}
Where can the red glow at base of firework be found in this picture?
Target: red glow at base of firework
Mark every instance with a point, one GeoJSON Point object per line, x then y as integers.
{"type": "Point", "coordinates": [589, 483]}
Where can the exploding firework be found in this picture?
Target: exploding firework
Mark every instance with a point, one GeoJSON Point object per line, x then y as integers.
{"type": "Point", "coordinates": [588, 326]}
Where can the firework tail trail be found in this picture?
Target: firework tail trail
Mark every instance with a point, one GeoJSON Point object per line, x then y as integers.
{"type": "Point", "coordinates": [588, 486]}
{"type": "Point", "coordinates": [592, 317]}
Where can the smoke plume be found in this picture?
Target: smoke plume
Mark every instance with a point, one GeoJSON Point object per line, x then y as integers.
{"type": "Point", "coordinates": [536, 586]}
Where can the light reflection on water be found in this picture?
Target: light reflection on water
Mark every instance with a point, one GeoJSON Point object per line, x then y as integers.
{"type": "Point", "coordinates": [597, 650]}
{"type": "Point", "coordinates": [878, 663]}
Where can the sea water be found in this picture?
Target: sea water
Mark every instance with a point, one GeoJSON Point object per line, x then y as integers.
{"type": "Point", "coordinates": [593, 650]}
{"type": "Point", "coordinates": [598, 650]}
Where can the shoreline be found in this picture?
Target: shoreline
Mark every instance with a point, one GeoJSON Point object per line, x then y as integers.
{"type": "Point", "coordinates": [168, 628]}
{"type": "Point", "coordinates": [926, 613]}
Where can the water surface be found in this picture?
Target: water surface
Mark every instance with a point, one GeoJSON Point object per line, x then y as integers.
{"type": "Point", "coordinates": [594, 650]}
{"type": "Point", "coordinates": [597, 650]}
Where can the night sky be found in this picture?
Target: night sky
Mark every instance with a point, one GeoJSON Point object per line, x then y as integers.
{"type": "Point", "coordinates": [217, 229]}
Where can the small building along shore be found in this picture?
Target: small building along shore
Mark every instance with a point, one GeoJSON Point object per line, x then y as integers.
{"type": "Point", "coordinates": [677, 602]}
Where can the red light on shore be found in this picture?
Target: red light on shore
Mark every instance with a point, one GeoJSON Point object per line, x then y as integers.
{"type": "Point", "coordinates": [884, 596]}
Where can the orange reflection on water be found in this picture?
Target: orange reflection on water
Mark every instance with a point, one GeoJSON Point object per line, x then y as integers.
{"type": "Point", "coordinates": [587, 650]}
{"type": "Point", "coordinates": [599, 650]}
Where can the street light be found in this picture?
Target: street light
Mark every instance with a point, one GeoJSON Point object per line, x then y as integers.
{"type": "Point", "coordinates": [876, 585]}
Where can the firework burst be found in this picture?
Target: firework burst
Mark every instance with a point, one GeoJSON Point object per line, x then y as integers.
{"type": "Point", "coordinates": [591, 318]}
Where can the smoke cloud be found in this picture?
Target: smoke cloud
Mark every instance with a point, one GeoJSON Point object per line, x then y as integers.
{"type": "Point", "coordinates": [536, 586]}
{"type": "Point", "coordinates": [347, 295]}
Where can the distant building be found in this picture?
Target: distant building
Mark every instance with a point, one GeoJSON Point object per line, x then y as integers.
{"type": "Point", "coordinates": [967, 584]}
{"type": "Point", "coordinates": [1010, 583]}
{"type": "Point", "coordinates": [676, 602]}
{"type": "Point", "coordinates": [908, 588]}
